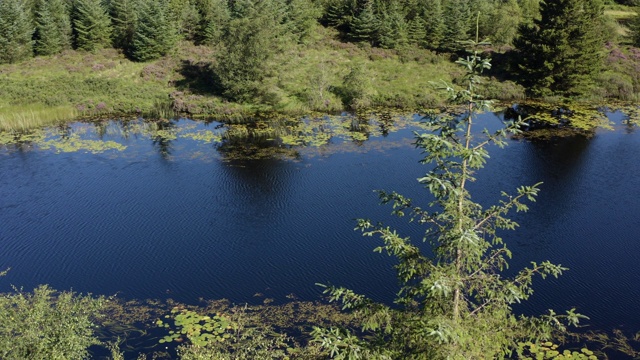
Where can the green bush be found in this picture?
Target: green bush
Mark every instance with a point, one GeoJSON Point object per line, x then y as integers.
{"type": "Point", "coordinates": [615, 85]}
{"type": "Point", "coordinates": [47, 324]}
{"type": "Point", "coordinates": [356, 90]}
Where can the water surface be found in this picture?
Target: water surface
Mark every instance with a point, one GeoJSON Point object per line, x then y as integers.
{"type": "Point", "coordinates": [170, 211]}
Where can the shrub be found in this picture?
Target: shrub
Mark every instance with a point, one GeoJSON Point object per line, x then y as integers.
{"type": "Point", "coordinates": [47, 324]}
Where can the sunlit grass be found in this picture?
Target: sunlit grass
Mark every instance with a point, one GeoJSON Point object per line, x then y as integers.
{"type": "Point", "coordinates": [20, 118]}
{"type": "Point", "coordinates": [620, 14]}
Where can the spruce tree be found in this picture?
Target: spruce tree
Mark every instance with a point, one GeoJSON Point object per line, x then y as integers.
{"type": "Point", "coordinates": [393, 30]}
{"type": "Point", "coordinates": [432, 14]}
{"type": "Point", "coordinates": [483, 10]}
{"type": "Point", "coordinates": [455, 301]}
{"type": "Point", "coordinates": [335, 14]}
{"type": "Point", "coordinates": [530, 10]}
{"type": "Point", "coordinates": [342, 13]}
{"type": "Point", "coordinates": [124, 16]}
{"type": "Point", "coordinates": [635, 28]}
{"type": "Point", "coordinates": [91, 25]}
{"type": "Point", "coordinates": [301, 17]}
{"type": "Point", "coordinates": [16, 31]}
{"type": "Point", "coordinates": [364, 27]}
{"type": "Point", "coordinates": [456, 24]}
{"type": "Point", "coordinates": [505, 20]}
{"type": "Point", "coordinates": [214, 17]}
{"type": "Point", "coordinates": [416, 31]}
{"type": "Point", "coordinates": [251, 42]}
{"type": "Point", "coordinates": [155, 35]}
{"type": "Point", "coordinates": [185, 17]}
{"type": "Point", "coordinates": [562, 52]}
{"type": "Point", "coordinates": [53, 27]}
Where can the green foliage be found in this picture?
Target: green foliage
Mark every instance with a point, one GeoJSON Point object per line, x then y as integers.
{"type": "Point", "coordinates": [124, 16]}
{"type": "Point", "coordinates": [154, 34]}
{"type": "Point", "coordinates": [91, 25]}
{"type": "Point", "coordinates": [339, 14]}
{"type": "Point", "coordinates": [301, 18]}
{"type": "Point", "coordinates": [530, 10]}
{"type": "Point", "coordinates": [356, 91]}
{"type": "Point", "coordinates": [364, 27]}
{"type": "Point", "coordinates": [635, 28]}
{"type": "Point", "coordinates": [562, 52]}
{"type": "Point", "coordinates": [75, 143]}
{"type": "Point", "coordinates": [214, 18]}
{"type": "Point", "coordinates": [416, 31]}
{"type": "Point", "coordinates": [253, 336]}
{"type": "Point", "coordinates": [198, 329]}
{"type": "Point", "coordinates": [504, 22]}
{"type": "Point", "coordinates": [575, 116]}
{"type": "Point", "coordinates": [53, 27]}
{"type": "Point", "coordinates": [183, 16]}
{"type": "Point", "coordinates": [251, 41]}
{"type": "Point", "coordinates": [456, 24]}
{"type": "Point", "coordinates": [456, 304]}
{"type": "Point", "coordinates": [47, 324]}
{"type": "Point", "coordinates": [16, 31]}
{"type": "Point", "coordinates": [432, 14]}
{"type": "Point", "coordinates": [394, 30]}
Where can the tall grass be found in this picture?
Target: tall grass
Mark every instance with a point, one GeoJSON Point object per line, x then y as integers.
{"type": "Point", "coordinates": [20, 118]}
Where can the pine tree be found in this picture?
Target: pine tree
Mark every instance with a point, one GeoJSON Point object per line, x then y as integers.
{"type": "Point", "coordinates": [505, 20]}
{"type": "Point", "coordinates": [16, 31]}
{"type": "Point", "coordinates": [416, 31]}
{"type": "Point", "coordinates": [456, 24]}
{"type": "Point", "coordinates": [124, 17]}
{"type": "Point", "coordinates": [455, 301]}
{"type": "Point", "coordinates": [185, 17]}
{"type": "Point", "coordinates": [432, 14]}
{"type": "Point", "coordinates": [635, 28]}
{"type": "Point", "coordinates": [364, 27]}
{"type": "Point", "coordinates": [530, 10]}
{"type": "Point", "coordinates": [53, 27]}
{"type": "Point", "coordinates": [393, 30]}
{"type": "Point", "coordinates": [562, 52]}
{"type": "Point", "coordinates": [155, 35]}
{"type": "Point", "coordinates": [214, 17]}
{"type": "Point", "coordinates": [334, 14]}
{"type": "Point", "coordinates": [301, 17]}
{"type": "Point", "coordinates": [92, 25]}
{"type": "Point", "coordinates": [251, 42]}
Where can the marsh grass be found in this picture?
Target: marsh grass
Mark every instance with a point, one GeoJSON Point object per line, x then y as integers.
{"type": "Point", "coordinates": [21, 118]}
{"type": "Point", "coordinates": [47, 90]}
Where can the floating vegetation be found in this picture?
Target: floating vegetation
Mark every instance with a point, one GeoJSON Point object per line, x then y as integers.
{"type": "Point", "coordinates": [20, 137]}
{"type": "Point", "coordinates": [206, 136]}
{"type": "Point", "coordinates": [633, 115]}
{"type": "Point", "coordinates": [74, 143]}
{"type": "Point", "coordinates": [277, 136]}
{"type": "Point", "coordinates": [574, 116]}
{"type": "Point", "coordinates": [138, 322]}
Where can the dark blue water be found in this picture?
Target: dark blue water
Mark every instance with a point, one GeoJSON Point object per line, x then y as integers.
{"type": "Point", "coordinates": [184, 219]}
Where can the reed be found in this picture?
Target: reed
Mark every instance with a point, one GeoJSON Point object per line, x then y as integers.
{"type": "Point", "coordinates": [21, 118]}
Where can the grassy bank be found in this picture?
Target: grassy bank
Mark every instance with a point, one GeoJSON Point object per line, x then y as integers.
{"type": "Point", "coordinates": [306, 78]}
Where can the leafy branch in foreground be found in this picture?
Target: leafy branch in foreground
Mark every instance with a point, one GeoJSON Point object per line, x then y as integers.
{"type": "Point", "coordinates": [456, 303]}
